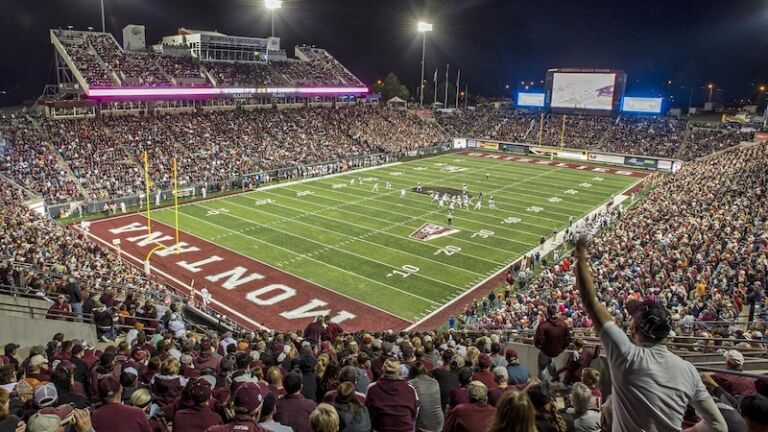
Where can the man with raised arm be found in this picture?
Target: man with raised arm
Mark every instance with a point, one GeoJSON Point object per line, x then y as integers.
{"type": "Point", "coordinates": [651, 386]}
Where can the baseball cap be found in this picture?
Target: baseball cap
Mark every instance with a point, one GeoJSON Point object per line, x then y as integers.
{"type": "Point", "coordinates": [734, 357]}
{"type": "Point", "coordinates": [46, 395]}
{"type": "Point", "coordinates": [26, 386]}
{"type": "Point", "coordinates": [50, 419]}
{"type": "Point", "coordinates": [37, 360]}
{"type": "Point", "coordinates": [199, 390]}
{"type": "Point", "coordinates": [511, 354]}
{"type": "Point", "coordinates": [250, 396]}
{"type": "Point", "coordinates": [651, 319]}
{"type": "Point", "coordinates": [132, 371]}
{"type": "Point", "coordinates": [108, 387]}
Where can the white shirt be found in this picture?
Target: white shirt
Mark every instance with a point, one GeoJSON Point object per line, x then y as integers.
{"type": "Point", "coordinates": [651, 385]}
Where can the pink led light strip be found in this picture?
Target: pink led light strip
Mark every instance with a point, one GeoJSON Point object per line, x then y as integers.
{"type": "Point", "coordinates": [208, 91]}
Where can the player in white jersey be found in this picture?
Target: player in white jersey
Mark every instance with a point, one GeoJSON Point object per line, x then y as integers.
{"type": "Point", "coordinates": [360, 180]}
{"type": "Point", "coordinates": [491, 203]}
{"type": "Point", "coordinates": [418, 187]}
{"type": "Point", "coordinates": [451, 205]}
{"type": "Point", "coordinates": [450, 218]}
{"type": "Point", "coordinates": [466, 202]}
{"type": "Point", "coordinates": [388, 186]}
{"type": "Point", "coordinates": [375, 187]}
{"type": "Point", "coordinates": [402, 193]}
{"type": "Point", "coordinates": [479, 203]}
{"type": "Point", "coordinates": [435, 196]}
{"type": "Point", "coordinates": [352, 181]}
{"type": "Point", "coordinates": [440, 203]}
{"type": "Point", "coordinates": [465, 188]}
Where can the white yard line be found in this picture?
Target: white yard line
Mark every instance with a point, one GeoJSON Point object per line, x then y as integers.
{"type": "Point", "coordinates": [357, 238]}
{"type": "Point", "coordinates": [546, 248]}
{"type": "Point", "coordinates": [325, 247]}
{"type": "Point", "coordinates": [404, 224]}
{"type": "Point", "coordinates": [309, 258]}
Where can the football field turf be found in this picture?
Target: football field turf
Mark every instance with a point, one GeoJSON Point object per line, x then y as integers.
{"type": "Point", "coordinates": [360, 243]}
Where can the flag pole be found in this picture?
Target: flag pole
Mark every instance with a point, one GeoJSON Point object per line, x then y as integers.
{"type": "Point", "coordinates": [445, 102]}
{"type": "Point", "coordinates": [458, 80]}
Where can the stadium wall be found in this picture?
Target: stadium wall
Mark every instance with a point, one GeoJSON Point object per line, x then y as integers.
{"type": "Point", "coordinates": [625, 160]}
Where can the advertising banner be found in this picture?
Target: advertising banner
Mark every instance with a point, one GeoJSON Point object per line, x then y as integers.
{"type": "Point", "coordinates": [640, 162]}
{"type": "Point", "coordinates": [515, 148]}
{"type": "Point", "coordinates": [471, 143]}
{"type": "Point", "coordinates": [606, 158]}
{"type": "Point", "coordinates": [459, 143]}
{"type": "Point", "coordinates": [665, 165]}
{"type": "Point", "coordinates": [488, 145]}
{"type": "Point", "coordinates": [572, 155]}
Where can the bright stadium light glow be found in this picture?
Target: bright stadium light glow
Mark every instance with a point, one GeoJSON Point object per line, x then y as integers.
{"type": "Point", "coordinates": [424, 27]}
{"type": "Point", "coordinates": [273, 4]}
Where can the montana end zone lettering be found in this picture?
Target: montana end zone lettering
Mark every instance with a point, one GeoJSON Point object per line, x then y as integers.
{"type": "Point", "coordinates": [253, 293]}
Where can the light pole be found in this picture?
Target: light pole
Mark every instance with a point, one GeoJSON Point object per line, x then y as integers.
{"type": "Point", "coordinates": [103, 23]}
{"type": "Point", "coordinates": [710, 87]}
{"type": "Point", "coordinates": [272, 5]}
{"type": "Point", "coordinates": [423, 29]}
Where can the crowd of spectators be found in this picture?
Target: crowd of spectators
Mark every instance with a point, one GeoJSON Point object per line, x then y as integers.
{"type": "Point", "coordinates": [97, 55]}
{"type": "Point", "coordinates": [634, 135]}
{"type": "Point", "coordinates": [134, 68]}
{"type": "Point", "coordinates": [87, 63]}
{"type": "Point", "coordinates": [245, 74]}
{"type": "Point", "coordinates": [704, 141]}
{"type": "Point", "coordinates": [105, 155]}
{"type": "Point", "coordinates": [317, 380]}
{"type": "Point", "coordinates": [329, 66]}
{"type": "Point", "coordinates": [28, 160]}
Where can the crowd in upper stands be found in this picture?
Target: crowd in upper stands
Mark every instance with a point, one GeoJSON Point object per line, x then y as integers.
{"type": "Point", "coordinates": [633, 135]}
{"type": "Point", "coordinates": [101, 60]}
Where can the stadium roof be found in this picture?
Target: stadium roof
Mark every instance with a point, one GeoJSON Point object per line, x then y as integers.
{"type": "Point", "coordinates": [186, 31]}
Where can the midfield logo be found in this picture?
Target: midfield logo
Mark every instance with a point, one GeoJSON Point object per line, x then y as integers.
{"type": "Point", "coordinates": [430, 231]}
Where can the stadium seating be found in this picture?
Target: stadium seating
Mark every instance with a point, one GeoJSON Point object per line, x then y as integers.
{"type": "Point", "coordinates": [634, 135]}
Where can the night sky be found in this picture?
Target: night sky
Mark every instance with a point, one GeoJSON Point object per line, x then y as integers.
{"type": "Point", "coordinates": [691, 42]}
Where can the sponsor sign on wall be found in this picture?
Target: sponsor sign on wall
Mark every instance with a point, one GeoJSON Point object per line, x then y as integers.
{"type": "Point", "coordinates": [640, 162]}
{"type": "Point", "coordinates": [606, 158]}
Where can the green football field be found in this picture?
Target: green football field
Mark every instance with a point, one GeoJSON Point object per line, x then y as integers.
{"type": "Point", "coordinates": [358, 242]}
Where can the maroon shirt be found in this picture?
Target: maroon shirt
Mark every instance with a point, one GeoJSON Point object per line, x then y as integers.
{"type": "Point", "coordinates": [196, 419]}
{"type": "Point", "coordinates": [736, 385]}
{"type": "Point", "coordinates": [469, 417]}
{"type": "Point", "coordinates": [393, 405]}
{"type": "Point", "coordinates": [485, 377]}
{"type": "Point", "coordinates": [496, 393]}
{"type": "Point", "coordinates": [116, 417]}
{"type": "Point", "coordinates": [239, 423]}
{"type": "Point", "coordinates": [293, 410]}
{"type": "Point", "coordinates": [552, 337]}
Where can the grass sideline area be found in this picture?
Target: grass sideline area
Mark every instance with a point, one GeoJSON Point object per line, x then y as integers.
{"type": "Point", "coordinates": [358, 242]}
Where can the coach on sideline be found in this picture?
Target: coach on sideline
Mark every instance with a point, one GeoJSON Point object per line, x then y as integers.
{"type": "Point", "coordinates": [651, 386]}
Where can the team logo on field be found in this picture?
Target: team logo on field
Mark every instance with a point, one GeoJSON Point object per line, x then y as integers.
{"type": "Point", "coordinates": [430, 231]}
{"type": "Point", "coordinates": [452, 169]}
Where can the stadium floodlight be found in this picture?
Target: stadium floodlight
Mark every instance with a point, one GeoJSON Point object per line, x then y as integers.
{"type": "Point", "coordinates": [423, 28]}
{"type": "Point", "coordinates": [273, 5]}
{"type": "Point", "coordinates": [710, 87]}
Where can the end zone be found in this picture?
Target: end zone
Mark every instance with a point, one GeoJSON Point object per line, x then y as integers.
{"type": "Point", "coordinates": [252, 293]}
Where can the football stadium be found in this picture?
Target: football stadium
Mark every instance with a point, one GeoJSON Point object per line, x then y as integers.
{"type": "Point", "coordinates": [353, 226]}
